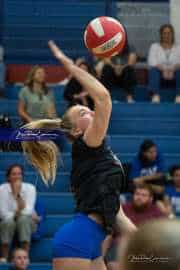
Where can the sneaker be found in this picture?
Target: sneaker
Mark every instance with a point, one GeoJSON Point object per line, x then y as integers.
{"type": "Point", "coordinates": [177, 100]}
{"type": "Point", "coordinates": [155, 99]}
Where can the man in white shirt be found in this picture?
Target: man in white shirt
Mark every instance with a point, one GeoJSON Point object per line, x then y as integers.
{"type": "Point", "coordinates": [17, 202]}
{"type": "Point", "coordinates": [2, 70]}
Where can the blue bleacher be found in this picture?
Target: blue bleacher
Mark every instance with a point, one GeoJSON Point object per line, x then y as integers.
{"type": "Point", "coordinates": [147, 126]}
{"type": "Point", "coordinates": [28, 25]}
{"type": "Point", "coordinates": [130, 125]}
{"type": "Point", "coordinates": [41, 251]}
{"type": "Point", "coordinates": [54, 222]}
{"type": "Point", "coordinates": [37, 266]}
{"type": "Point", "coordinates": [62, 183]}
{"type": "Point", "coordinates": [131, 143]}
{"type": "Point", "coordinates": [58, 203]}
{"type": "Point", "coordinates": [62, 180]}
{"type": "Point", "coordinates": [12, 92]}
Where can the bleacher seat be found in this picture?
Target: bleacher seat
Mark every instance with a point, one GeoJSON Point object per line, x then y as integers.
{"type": "Point", "coordinates": [54, 222]}
{"type": "Point", "coordinates": [29, 25]}
{"type": "Point", "coordinates": [147, 126]}
{"type": "Point", "coordinates": [58, 203]}
{"type": "Point", "coordinates": [62, 183]}
{"type": "Point", "coordinates": [8, 158]}
{"type": "Point", "coordinates": [131, 143]}
{"type": "Point", "coordinates": [35, 266]}
{"type": "Point", "coordinates": [41, 251]}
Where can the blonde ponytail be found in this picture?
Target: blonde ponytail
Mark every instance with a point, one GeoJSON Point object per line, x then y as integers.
{"type": "Point", "coordinates": [43, 154]}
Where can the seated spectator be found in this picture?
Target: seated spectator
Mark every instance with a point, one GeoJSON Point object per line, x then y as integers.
{"type": "Point", "coordinates": [140, 210]}
{"type": "Point", "coordinates": [154, 246]}
{"type": "Point", "coordinates": [148, 167]}
{"type": "Point", "coordinates": [17, 202]}
{"type": "Point", "coordinates": [119, 72]}
{"type": "Point", "coordinates": [20, 259]}
{"type": "Point", "coordinates": [2, 71]}
{"type": "Point", "coordinates": [171, 202]}
{"type": "Point", "coordinates": [74, 93]}
{"type": "Point", "coordinates": [164, 62]}
{"type": "Point", "coordinates": [36, 101]}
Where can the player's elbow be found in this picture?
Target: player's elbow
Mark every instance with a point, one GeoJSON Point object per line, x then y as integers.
{"type": "Point", "coordinates": [106, 97]}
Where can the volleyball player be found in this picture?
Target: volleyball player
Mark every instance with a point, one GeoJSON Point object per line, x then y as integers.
{"type": "Point", "coordinates": [97, 177]}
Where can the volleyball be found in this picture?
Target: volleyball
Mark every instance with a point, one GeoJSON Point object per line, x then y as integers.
{"type": "Point", "coordinates": [105, 37]}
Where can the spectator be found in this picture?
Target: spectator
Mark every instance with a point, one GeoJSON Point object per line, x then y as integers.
{"type": "Point", "coordinates": [140, 210]}
{"type": "Point", "coordinates": [2, 71]}
{"type": "Point", "coordinates": [20, 259]}
{"type": "Point", "coordinates": [154, 246]}
{"type": "Point", "coordinates": [148, 167]}
{"type": "Point", "coordinates": [17, 202]}
{"type": "Point", "coordinates": [74, 93]}
{"type": "Point", "coordinates": [119, 72]}
{"type": "Point", "coordinates": [164, 62]}
{"type": "Point", "coordinates": [36, 101]}
{"type": "Point", "coordinates": [171, 202]}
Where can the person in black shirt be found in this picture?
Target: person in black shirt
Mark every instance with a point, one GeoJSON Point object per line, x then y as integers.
{"type": "Point", "coordinates": [119, 72]}
{"type": "Point", "coordinates": [96, 179]}
{"type": "Point", "coordinates": [74, 92]}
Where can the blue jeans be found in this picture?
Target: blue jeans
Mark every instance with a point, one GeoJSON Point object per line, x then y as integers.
{"type": "Point", "coordinates": [2, 75]}
{"type": "Point", "coordinates": [155, 78]}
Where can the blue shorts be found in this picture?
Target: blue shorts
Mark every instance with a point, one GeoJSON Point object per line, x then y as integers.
{"type": "Point", "coordinates": [80, 238]}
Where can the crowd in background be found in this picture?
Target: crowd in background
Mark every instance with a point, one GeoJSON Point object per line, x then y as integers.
{"type": "Point", "coordinates": [153, 190]}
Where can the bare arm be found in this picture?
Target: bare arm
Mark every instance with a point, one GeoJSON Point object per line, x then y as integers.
{"type": "Point", "coordinates": [152, 177]}
{"type": "Point", "coordinates": [125, 224]}
{"type": "Point", "coordinates": [22, 112]}
{"type": "Point", "coordinates": [155, 176]}
{"type": "Point", "coordinates": [97, 130]}
{"type": "Point", "coordinates": [132, 59]}
{"type": "Point", "coordinates": [165, 207]}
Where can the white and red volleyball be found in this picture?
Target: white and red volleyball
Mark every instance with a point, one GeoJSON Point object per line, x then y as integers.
{"type": "Point", "coordinates": [105, 37]}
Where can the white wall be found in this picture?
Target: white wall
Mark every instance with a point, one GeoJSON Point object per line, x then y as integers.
{"type": "Point", "coordinates": [142, 21]}
{"type": "Point", "coordinates": [175, 17]}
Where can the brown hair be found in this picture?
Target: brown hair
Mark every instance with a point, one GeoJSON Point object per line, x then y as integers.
{"type": "Point", "coordinates": [43, 154]}
{"type": "Point", "coordinates": [171, 29]}
{"type": "Point", "coordinates": [156, 245]}
{"type": "Point", "coordinates": [19, 249]}
{"type": "Point", "coordinates": [10, 168]}
{"type": "Point", "coordinates": [30, 80]}
{"type": "Point", "coordinates": [146, 187]}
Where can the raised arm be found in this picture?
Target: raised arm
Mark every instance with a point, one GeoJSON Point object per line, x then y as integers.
{"type": "Point", "coordinates": [102, 100]}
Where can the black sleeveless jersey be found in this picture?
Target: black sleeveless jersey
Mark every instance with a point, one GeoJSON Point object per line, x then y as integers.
{"type": "Point", "coordinates": [97, 179]}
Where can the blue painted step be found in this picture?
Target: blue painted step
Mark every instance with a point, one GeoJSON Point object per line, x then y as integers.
{"type": "Point", "coordinates": [54, 222]}
{"type": "Point", "coordinates": [61, 184]}
{"type": "Point", "coordinates": [148, 126]}
{"type": "Point", "coordinates": [58, 203]}
{"type": "Point", "coordinates": [41, 251]}
{"type": "Point", "coordinates": [33, 266]}
{"type": "Point", "coordinates": [8, 158]}
{"type": "Point", "coordinates": [131, 144]}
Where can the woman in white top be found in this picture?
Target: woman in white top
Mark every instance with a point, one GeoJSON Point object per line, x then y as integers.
{"type": "Point", "coordinates": [164, 62]}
